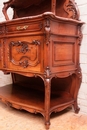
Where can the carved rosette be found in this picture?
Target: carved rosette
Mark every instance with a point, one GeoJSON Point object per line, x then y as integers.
{"type": "Point", "coordinates": [71, 9]}
{"type": "Point", "coordinates": [24, 53]}
{"type": "Point", "coordinates": [47, 31]}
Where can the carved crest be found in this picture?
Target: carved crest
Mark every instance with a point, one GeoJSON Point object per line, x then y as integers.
{"type": "Point", "coordinates": [71, 9]}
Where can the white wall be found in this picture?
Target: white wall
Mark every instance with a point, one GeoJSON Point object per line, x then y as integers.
{"type": "Point", "coordinates": [4, 79]}
{"type": "Point", "coordinates": [82, 97]}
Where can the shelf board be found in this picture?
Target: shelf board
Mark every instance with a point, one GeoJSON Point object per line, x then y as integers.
{"type": "Point", "coordinates": [22, 96]}
{"type": "Point", "coordinates": [32, 99]}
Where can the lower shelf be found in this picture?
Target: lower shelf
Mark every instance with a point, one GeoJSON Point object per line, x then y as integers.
{"type": "Point", "coordinates": [32, 100]}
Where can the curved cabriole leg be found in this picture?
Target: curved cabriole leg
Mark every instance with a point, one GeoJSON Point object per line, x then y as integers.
{"type": "Point", "coordinates": [47, 103]}
{"type": "Point", "coordinates": [76, 85]}
{"type": "Point", "coordinates": [75, 105]}
{"type": "Point", "coordinates": [76, 108]}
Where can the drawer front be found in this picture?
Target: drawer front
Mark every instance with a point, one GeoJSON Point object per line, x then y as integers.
{"type": "Point", "coordinates": [24, 54]}
{"type": "Point", "coordinates": [24, 27]}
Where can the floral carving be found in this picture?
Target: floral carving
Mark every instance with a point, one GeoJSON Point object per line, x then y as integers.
{"type": "Point", "coordinates": [24, 47]}
{"type": "Point", "coordinates": [80, 35]}
{"type": "Point", "coordinates": [24, 63]}
{"type": "Point", "coordinates": [47, 73]}
{"type": "Point", "coordinates": [71, 8]}
{"type": "Point", "coordinates": [24, 53]}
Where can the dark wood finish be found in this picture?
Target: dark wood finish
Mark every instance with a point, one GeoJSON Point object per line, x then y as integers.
{"type": "Point", "coordinates": [40, 48]}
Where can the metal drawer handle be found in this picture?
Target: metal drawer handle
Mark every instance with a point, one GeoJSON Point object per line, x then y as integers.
{"type": "Point", "coordinates": [22, 28]}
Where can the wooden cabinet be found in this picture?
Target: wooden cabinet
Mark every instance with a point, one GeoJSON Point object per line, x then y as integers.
{"type": "Point", "coordinates": [40, 48]}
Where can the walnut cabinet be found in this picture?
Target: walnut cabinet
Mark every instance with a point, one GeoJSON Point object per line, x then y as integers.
{"type": "Point", "coordinates": [40, 48]}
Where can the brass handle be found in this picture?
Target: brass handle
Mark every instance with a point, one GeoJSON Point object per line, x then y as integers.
{"type": "Point", "coordinates": [22, 27]}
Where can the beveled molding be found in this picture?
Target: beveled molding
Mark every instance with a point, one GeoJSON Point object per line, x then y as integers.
{"type": "Point", "coordinates": [28, 51]}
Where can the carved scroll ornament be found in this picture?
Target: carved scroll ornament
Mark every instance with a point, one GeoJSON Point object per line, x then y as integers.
{"type": "Point", "coordinates": [47, 31]}
{"type": "Point", "coordinates": [79, 73]}
{"type": "Point", "coordinates": [24, 53]}
{"type": "Point", "coordinates": [80, 35]}
{"type": "Point", "coordinates": [71, 9]}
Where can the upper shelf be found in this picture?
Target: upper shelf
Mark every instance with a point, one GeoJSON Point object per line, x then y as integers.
{"type": "Point", "coordinates": [24, 8]}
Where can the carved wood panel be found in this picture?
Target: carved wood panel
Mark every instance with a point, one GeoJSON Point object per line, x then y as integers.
{"type": "Point", "coordinates": [24, 54]}
{"type": "Point", "coordinates": [63, 53]}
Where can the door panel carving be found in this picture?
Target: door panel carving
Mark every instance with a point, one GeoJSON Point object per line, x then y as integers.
{"type": "Point", "coordinates": [24, 53]}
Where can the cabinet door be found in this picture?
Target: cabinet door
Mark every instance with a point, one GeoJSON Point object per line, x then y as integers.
{"type": "Point", "coordinates": [24, 53]}
{"type": "Point", "coordinates": [64, 54]}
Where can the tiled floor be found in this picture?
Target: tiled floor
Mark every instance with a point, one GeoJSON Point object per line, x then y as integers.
{"type": "Point", "coordinates": [12, 119]}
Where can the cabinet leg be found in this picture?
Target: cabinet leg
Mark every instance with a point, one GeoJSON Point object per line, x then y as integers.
{"type": "Point", "coordinates": [76, 108]}
{"type": "Point", "coordinates": [47, 124]}
{"type": "Point", "coordinates": [47, 103]}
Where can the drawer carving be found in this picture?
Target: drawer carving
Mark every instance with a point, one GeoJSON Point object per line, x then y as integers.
{"type": "Point", "coordinates": [24, 53]}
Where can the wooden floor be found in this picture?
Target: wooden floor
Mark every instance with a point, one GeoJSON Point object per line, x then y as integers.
{"type": "Point", "coordinates": [12, 119]}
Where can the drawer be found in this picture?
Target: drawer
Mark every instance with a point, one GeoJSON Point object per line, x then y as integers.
{"type": "Point", "coordinates": [24, 27]}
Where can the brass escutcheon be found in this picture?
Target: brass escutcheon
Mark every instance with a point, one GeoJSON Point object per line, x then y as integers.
{"type": "Point", "coordinates": [22, 27]}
